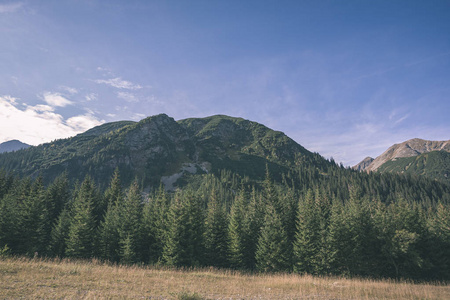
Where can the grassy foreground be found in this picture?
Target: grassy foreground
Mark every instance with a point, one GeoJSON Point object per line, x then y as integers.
{"type": "Point", "coordinates": [65, 279]}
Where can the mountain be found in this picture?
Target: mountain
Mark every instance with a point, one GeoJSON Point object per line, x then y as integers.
{"type": "Point", "coordinates": [159, 149]}
{"type": "Point", "coordinates": [12, 145]}
{"type": "Point", "coordinates": [363, 164]}
{"type": "Point", "coordinates": [415, 156]}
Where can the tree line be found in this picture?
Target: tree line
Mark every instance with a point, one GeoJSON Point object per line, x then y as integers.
{"type": "Point", "coordinates": [226, 221]}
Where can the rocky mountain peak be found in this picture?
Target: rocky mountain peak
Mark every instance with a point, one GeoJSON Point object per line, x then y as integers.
{"type": "Point", "coordinates": [409, 148]}
{"type": "Point", "coordinates": [363, 164]}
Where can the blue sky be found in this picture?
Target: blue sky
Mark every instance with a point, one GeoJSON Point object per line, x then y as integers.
{"type": "Point", "coordinates": [346, 79]}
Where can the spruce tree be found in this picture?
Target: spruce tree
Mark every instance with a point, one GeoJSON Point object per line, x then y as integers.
{"type": "Point", "coordinates": [109, 238]}
{"type": "Point", "coordinates": [59, 234]}
{"type": "Point", "coordinates": [130, 215]}
{"type": "Point", "coordinates": [57, 197]}
{"type": "Point", "coordinates": [216, 234]}
{"type": "Point", "coordinates": [272, 249]}
{"type": "Point", "coordinates": [33, 221]}
{"type": "Point", "coordinates": [236, 231]}
{"type": "Point", "coordinates": [127, 250]}
{"type": "Point", "coordinates": [10, 216]}
{"type": "Point", "coordinates": [439, 249]}
{"type": "Point", "coordinates": [252, 223]}
{"type": "Point", "coordinates": [184, 241]}
{"type": "Point", "coordinates": [306, 243]}
{"type": "Point", "coordinates": [154, 219]}
{"type": "Point", "coordinates": [81, 236]}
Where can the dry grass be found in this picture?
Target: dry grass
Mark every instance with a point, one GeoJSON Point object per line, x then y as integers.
{"type": "Point", "coordinates": [55, 279]}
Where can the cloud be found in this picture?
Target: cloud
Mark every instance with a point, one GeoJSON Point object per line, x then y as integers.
{"type": "Point", "coordinates": [83, 122]}
{"type": "Point", "coordinates": [138, 117]}
{"type": "Point", "coordinates": [70, 90]}
{"type": "Point", "coordinates": [119, 83]}
{"type": "Point", "coordinates": [91, 97]}
{"type": "Point", "coordinates": [9, 99]}
{"type": "Point", "coordinates": [56, 99]}
{"type": "Point", "coordinates": [129, 97]}
{"type": "Point", "coordinates": [40, 123]}
{"type": "Point", "coordinates": [10, 7]}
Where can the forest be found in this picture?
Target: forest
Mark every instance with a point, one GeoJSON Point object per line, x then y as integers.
{"type": "Point", "coordinates": [339, 223]}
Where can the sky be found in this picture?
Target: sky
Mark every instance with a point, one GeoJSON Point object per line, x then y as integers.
{"type": "Point", "coordinates": [346, 79]}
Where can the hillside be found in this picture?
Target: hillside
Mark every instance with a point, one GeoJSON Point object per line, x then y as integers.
{"type": "Point", "coordinates": [415, 156]}
{"type": "Point", "coordinates": [158, 148]}
{"type": "Point", "coordinates": [363, 164]}
{"type": "Point", "coordinates": [12, 145]}
{"type": "Point", "coordinates": [434, 164]}
{"type": "Point", "coordinates": [247, 198]}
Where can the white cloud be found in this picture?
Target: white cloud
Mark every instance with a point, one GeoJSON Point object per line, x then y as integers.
{"type": "Point", "coordinates": [83, 122]}
{"type": "Point", "coordinates": [91, 97]}
{"type": "Point", "coordinates": [129, 97]}
{"type": "Point", "coordinates": [138, 117]}
{"type": "Point", "coordinates": [9, 99]}
{"type": "Point", "coordinates": [119, 83]}
{"type": "Point", "coordinates": [70, 90]}
{"type": "Point", "coordinates": [38, 124]}
{"type": "Point", "coordinates": [10, 7]}
{"type": "Point", "coordinates": [56, 99]}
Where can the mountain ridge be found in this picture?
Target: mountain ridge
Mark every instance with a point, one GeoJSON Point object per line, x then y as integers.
{"type": "Point", "coordinates": [13, 145]}
{"type": "Point", "coordinates": [159, 146]}
{"type": "Point", "coordinates": [412, 156]}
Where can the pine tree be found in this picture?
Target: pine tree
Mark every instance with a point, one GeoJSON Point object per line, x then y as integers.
{"type": "Point", "coordinates": [81, 236]}
{"type": "Point", "coordinates": [272, 249]}
{"type": "Point", "coordinates": [10, 216]}
{"type": "Point", "coordinates": [127, 250]}
{"type": "Point", "coordinates": [114, 195]}
{"type": "Point", "coordinates": [109, 238]}
{"type": "Point", "coordinates": [338, 247]}
{"type": "Point", "coordinates": [251, 225]}
{"type": "Point", "coordinates": [360, 236]}
{"type": "Point", "coordinates": [33, 221]}
{"type": "Point", "coordinates": [216, 234]}
{"type": "Point", "coordinates": [184, 241]}
{"type": "Point", "coordinates": [236, 231]}
{"type": "Point", "coordinates": [439, 250]}
{"type": "Point", "coordinates": [130, 215]}
{"type": "Point", "coordinates": [57, 197]}
{"type": "Point", "coordinates": [306, 244]}
{"type": "Point", "coordinates": [404, 231]}
{"type": "Point", "coordinates": [59, 234]}
{"type": "Point", "coordinates": [154, 226]}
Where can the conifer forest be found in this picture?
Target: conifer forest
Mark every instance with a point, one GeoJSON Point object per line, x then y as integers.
{"type": "Point", "coordinates": [339, 223]}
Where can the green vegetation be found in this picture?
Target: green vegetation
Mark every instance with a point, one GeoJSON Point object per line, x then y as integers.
{"type": "Point", "coordinates": [264, 205]}
{"type": "Point", "coordinates": [228, 222]}
{"type": "Point", "coordinates": [434, 165]}
{"type": "Point", "coordinates": [158, 146]}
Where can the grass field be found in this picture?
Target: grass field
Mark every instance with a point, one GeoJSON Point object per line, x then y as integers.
{"type": "Point", "coordinates": [64, 279]}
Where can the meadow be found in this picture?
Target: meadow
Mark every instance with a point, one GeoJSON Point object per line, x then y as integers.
{"type": "Point", "coordinates": [74, 279]}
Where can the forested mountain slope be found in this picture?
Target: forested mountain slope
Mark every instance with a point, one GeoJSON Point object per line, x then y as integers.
{"type": "Point", "coordinates": [158, 147]}
{"type": "Point", "coordinates": [248, 198]}
{"type": "Point", "coordinates": [415, 156]}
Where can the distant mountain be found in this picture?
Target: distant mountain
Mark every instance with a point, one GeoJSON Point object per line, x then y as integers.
{"type": "Point", "coordinates": [415, 156]}
{"type": "Point", "coordinates": [12, 145]}
{"type": "Point", "coordinates": [159, 149]}
{"type": "Point", "coordinates": [363, 164]}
